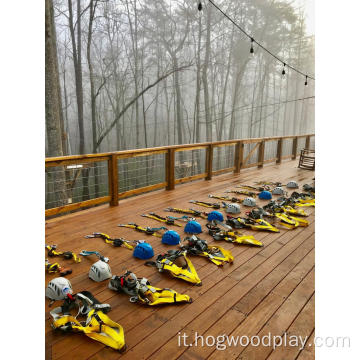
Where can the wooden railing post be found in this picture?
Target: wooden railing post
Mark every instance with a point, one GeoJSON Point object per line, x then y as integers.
{"type": "Point", "coordinates": [294, 148]}
{"type": "Point", "coordinates": [307, 142]}
{"type": "Point", "coordinates": [170, 169]}
{"type": "Point", "coordinates": [239, 155]}
{"type": "Point", "coordinates": [279, 151]}
{"type": "Point", "coordinates": [261, 154]}
{"type": "Point", "coordinates": [113, 180]}
{"type": "Point", "coordinates": [209, 161]}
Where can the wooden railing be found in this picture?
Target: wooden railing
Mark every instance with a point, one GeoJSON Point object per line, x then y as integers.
{"type": "Point", "coordinates": [113, 197]}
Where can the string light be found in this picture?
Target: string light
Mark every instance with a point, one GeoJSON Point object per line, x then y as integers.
{"type": "Point", "coordinates": [306, 82]}
{"type": "Point", "coordinates": [252, 47]}
{"type": "Point", "coordinates": [259, 45]}
{"type": "Point", "coordinates": [200, 6]}
{"type": "Point", "coordinates": [283, 71]}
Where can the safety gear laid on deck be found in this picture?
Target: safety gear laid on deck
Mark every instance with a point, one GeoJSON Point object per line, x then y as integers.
{"type": "Point", "coordinates": [53, 268]}
{"type": "Point", "coordinates": [193, 227]}
{"type": "Point", "coordinates": [292, 185]}
{"type": "Point", "coordinates": [235, 237]}
{"type": "Point", "coordinates": [184, 218]}
{"type": "Point", "coordinates": [146, 230]}
{"type": "Point", "coordinates": [226, 198]}
{"type": "Point", "coordinates": [97, 326]}
{"type": "Point", "coordinates": [265, 195]}
{"type": "Point", "coordinates": [143, 250]}
{"type": "Point", "coordinates": [247, 187]}
{"type": "Point", "coordinates": [291, 211]}
{"type": "Point", "coordinates": [206, 204]}
{"type": "Point", "coordinates": [177, 264]}
{"type": "Point", "coordinates": [167, 220]}
{"type": "Point", "coordinates": [216, 254]}
{"type": "Point", "coordinates": [269, 183]}
{"type": "Point", "coordinates": [100, 271]}
{"type": "Point", "coordinates": [188, 211]}
{"type": "Point", "coordinates": [171, 237]}
{"type": "Point", "coordinates": [253, 224]}
{"type": "Point", "coordinates": [309, 188]}
{"type": "Point", "coordinates": [58, 289]}
{"type": "Point", "coordinates": [249, 201]}
{"type": "Point", "coordinates": [242, 192]}
{"type": "Point", "coordinates": [278, 191]}
{"type": "Point", "coordinates": [286, 221]}
{"type": "Point", "coordinates": [232, 208]}
{"type": "Point", "coordinates": [65, 254]}
{"type": "Point", "coordinates": [216, 226]}
{"type": "Point", "coordinates": [88, 253]}
{"type": "Point", "coordinates": [115, 242]}
{"type": "Point", "coordinates": [215, 215]}
{"type": "Point", "coordinates": [140, 290]}
{"type": "Point", "coordinates": [300, 221]}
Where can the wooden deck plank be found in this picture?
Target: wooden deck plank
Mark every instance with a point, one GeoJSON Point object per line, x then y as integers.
{"type": "Point", "coordinates": [302, 326]}
{"type": "Point", "coordinates": [293, 303]}
{"type": "Point", "coordinates": [215, 313]}
{"type": "Point", "coordinates": [144, 326]}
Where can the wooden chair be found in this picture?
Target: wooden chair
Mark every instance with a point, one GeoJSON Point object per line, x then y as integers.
{"type": "Point", "coordinates": [307, 159]}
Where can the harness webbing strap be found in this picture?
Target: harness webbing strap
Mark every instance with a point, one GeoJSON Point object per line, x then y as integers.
{"type": "Point", "coordinates": [115, 242]}
{"type": "Point", "coordinates": [206, 204]}
{"type": "Point", "coordinates": [64, 254]}
{"type": "Point", "coordinates": [147, 230]}
{"type": "Point", "coordinates": [166, 220]}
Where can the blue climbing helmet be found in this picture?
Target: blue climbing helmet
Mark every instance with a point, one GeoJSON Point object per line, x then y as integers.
{"type": "Point", "coordinates": [215, 215]}
{"type": "Point", "coordinates": [143, 250]}
{"type": "Point", "coordinates": [193, 227]}
{"type": "Point", "coordinates": [265, 195]}
{"type": "Point", "coordinates": [171, 237]}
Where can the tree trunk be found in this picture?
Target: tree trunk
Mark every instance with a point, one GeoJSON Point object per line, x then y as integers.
{"type": "Point", "coordinates": [53, 108]}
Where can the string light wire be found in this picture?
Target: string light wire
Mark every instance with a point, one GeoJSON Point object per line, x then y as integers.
{"type": "Point", "coordinates": [260, 45]}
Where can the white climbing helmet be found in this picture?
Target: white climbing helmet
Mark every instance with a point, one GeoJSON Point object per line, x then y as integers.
{"type": "Point", "coordinates": [292, 185]}
{"type": "Point", "coordinates": [278, 191]}
{"type": "Point", "coordinates": [58, 289]}
{"type": "Point", "coordinates": [233, 208]}
{"type": "Point", "coordinates": [249, 201]}
{"type": "Point", "coordinates": [100, 271]}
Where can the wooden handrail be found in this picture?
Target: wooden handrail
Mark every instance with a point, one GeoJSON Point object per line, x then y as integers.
{"type": "Point", "coordinates": [112, 160]}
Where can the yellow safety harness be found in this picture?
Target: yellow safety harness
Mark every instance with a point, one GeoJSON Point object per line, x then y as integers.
{"type": "Point", "coordinates": [188, 211]}
{"type": "Point", "coordinates": [205, 204]}
{"type": "Point", "coordinates": [166, 262]}
{"type": "Point", "coordinates": [145, 230]}
{"type": "Point", "coordinates": [56, 267]}
{"type": "Point", "coordinates": [98, 326]}
{"type": "Point", "coordinates": [242, 192]}
{"type": "Point", "coordinates": [253, 224]}
{"type": "Point", "coordinates": [109, 240]}
{"type": "Point", "coordinates": [291, 211]}
{"type": "Point", "coordinates": [286, 221]}
{"type": "Point", "coordinates": [140, 290]}
{"type": "Point", "coordinates": [65, 254]}
{"type": "Point", "coordinates": [226, 198]}
{"type": "Point", "coordinates": [167, 220]}
{"type": "Point", "coordinates": [235, 237]}
{"type": "Point", "coordinates": [216, 254]}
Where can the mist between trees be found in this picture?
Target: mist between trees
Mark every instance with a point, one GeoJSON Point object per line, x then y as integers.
{"type": "Point", "coordinates": [124, 74]}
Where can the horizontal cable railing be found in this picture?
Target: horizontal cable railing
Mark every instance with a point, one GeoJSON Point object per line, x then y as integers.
{"type": "Point", "coordinates": [79, 181]}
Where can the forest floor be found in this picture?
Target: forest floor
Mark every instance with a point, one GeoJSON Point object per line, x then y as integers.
{"type": "Point", "coordinates": [266, 290]}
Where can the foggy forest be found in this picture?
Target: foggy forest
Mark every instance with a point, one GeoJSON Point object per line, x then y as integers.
{"type": "Point", "coordinates": [127, 74]}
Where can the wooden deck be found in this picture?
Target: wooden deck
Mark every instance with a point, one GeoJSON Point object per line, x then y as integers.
{"type": "Point", "coordinates": [269, 289]}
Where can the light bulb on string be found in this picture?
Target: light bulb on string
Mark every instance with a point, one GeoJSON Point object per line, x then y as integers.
{"type": "Point", "coordinates": [252, 47]}
{"type": "Point", "coordinates": [283, 71]}
{"type": "Point", "coordinates": [200, 6]}
{"type": "Point", "coordinates": [306, 81]}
